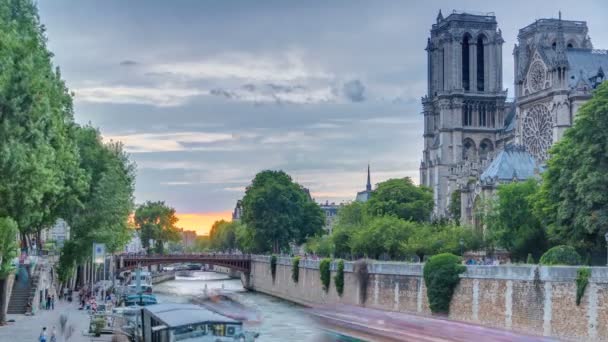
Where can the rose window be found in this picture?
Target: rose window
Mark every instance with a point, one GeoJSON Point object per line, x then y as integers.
{"type": "Point", "coordinates": [536, 76]}
{"type": "Point", "coordinates": [538, 131]}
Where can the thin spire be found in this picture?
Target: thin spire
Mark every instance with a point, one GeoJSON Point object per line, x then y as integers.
{"type": "Point", "coordinates": [368, 187]}
{"type": "Point", "coordinates": [561, 60]}
{"type": "Point", "coordinates": [439, 16]}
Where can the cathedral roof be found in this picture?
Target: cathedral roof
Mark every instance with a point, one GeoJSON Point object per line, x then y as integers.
{"type": "Point", "coordinates": [510, 118]}
{"type": "Point", "coordinates": [585, 65]}
{"type": "Point", "coordinates": [512, 163]}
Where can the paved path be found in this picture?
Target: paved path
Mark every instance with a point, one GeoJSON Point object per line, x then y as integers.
{"type": "Point", "coordinates": [27, 328]}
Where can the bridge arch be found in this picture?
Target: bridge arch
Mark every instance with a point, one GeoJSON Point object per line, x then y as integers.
{"type": "Point", "coordinates": [237, 262]}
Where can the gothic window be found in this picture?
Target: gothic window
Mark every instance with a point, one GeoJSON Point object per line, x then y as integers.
{"type": "Point", "coordinates": [465, 62]}
{"type": "Point", "coordinates": [482, 116]}
{"type": "Point", "coordinates": [538, 131]}
{"type": "Point", "coordinates": [536, 76]}
{"type": "Point", "coordinates": [468, 150]}
{"type": "Point", "coordinates": [485, 148]}
{"type": "Point", "coordinates": [480, 64]}
{"type": "Point", "coordinates": [467, 116]}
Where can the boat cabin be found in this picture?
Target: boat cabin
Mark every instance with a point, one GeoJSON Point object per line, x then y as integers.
{"type": "Point", "coordinates": [187, 322]}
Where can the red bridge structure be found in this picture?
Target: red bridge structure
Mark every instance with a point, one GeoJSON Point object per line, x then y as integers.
{"type": "Point", "coordinates": [237, 262]}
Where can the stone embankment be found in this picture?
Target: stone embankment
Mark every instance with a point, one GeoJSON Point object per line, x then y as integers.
{"type": "Point", "coordinates": [530, 299]}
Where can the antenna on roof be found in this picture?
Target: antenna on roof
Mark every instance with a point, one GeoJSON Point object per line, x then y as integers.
{"type": "Point", "coordinates": [560, 15]}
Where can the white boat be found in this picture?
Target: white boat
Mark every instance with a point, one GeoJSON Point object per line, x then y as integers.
{"type": "Point", "coordinates": [189, 322]}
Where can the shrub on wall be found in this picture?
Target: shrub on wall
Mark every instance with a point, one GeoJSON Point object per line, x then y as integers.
{"type": "Point", "coordinates": [561, 255]}
{"type": "Point", "coordinates": [325, 273]}
{"type": "Point", "coordinates": [295, 269]}
{"type": "Point", "coordinates": [362, 275]}
{"type": "Point", "coordinates": [441, 275]}
{"type": "Point", "coordinates": [273, 266]}
{"type": "Point", "coordinates": [582, 279]}
{"type": "Point", "coordinates": [339, 278]}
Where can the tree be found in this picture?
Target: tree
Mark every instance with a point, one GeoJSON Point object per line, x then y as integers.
{"type": "Point", "coordinates": [381, 236]}
{"type": "Point", "coordinates": [38, 156]}
{"type": "Point", "coordinates": [573, 202]}
{"type": "Point", "coordinates": [515, 227]}
{"type": "Point", "coordinates": [156, 221]}
{"type": "Point", "coordinates": [8, 251]}
{"type": "Point", "coordinates": [403, 199]}
{"type": "Point", "coordinates": [279, 211]}
{"type": "Point", "coordinates": [224, 235]}
{"type": "Point", "coordinates": [430, 239]}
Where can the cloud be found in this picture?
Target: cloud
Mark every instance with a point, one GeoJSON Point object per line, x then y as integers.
{"type": "Point", "coordinates": [167, 142]}
{"type": "Point", "coordinates": [120, 94]}
{"type": "Point", "coordinates": [354, 91]}
{"type": "Point", "coordinates": [128, 63]}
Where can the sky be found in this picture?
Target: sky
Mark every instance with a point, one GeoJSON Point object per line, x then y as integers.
{"type": "Point", "coordinates": [205, 94]}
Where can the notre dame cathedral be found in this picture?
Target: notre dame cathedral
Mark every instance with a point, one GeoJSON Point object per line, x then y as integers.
{"type": "Point", "coordinates": [474, 138]}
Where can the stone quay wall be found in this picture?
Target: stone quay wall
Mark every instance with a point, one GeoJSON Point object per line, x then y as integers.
{"type": "Point", "coordinates": [531, 299]}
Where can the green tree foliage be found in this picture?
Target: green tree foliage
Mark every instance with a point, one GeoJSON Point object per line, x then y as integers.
{"type": "Point", "coordinates": [573, 201]}
{"type": "Point", "coordinates": [582, 280]}
{"type": "Point", "coordinates": [455, 205]}
{"type": "Point", "coordinates": [561, 255]}
{"type": "Point", "coordinates": [382, 236]}
{"type": "Point", "coordinates": [295, 269]}
{"type": "Point", "coordinates": [441, 275]}
{"type": "Point", "coordinates": [223, 235]}
{"type": "Point", "coordinates": [101, 213]}
{"type": "Point", "coordinates": [320, 245]}
{"type": "Point", "coordinates": [156, 221]}
{"type": "Point", "coordinates": [403, 199]}
{"type": "Point", "coordinates": [339, 278]}
{"type": "Point", "coordinates": [38, 156]}
{"type": "Point", "coordinates": [279, 211]}
{"type": "Point", "coordinates": [8, 251]}
{"type": "Point", "coordinates": [325, 273]}
{"type": "Point", "coordinates": [513, 225]}
{"type": "Point", "coordinates": [530, 259]}
{"type": "Point", "coordinates": [430, 239]}
{"type": "Point", "coordinates": [201, 244]}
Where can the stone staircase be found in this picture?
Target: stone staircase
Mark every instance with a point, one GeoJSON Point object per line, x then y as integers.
{"type": "Point", "coordinates": [21, 294]}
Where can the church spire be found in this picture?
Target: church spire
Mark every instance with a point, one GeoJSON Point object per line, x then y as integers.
{"type": "Point", "coordinates": [368, 187]}
{"type": "Point", "coordinates": [439, 16]}
{"type": "Point", "coordinates": [561, 60]}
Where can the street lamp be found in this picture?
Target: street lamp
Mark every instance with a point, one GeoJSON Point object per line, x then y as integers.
{"type": "Point", "coordinates": [462, 244]}
{"type": "Point", "coordinates": [606, 237]}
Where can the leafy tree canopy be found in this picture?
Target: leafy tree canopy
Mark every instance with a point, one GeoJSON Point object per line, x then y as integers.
{"type": "Point", "coordinates": [403, 199]}
{"type": "Point", "coordinates": [279, 211]}
{"type": "Point", "coordinates": [156, 221]}
{"type": "Point", "coordinates": [573, 201]}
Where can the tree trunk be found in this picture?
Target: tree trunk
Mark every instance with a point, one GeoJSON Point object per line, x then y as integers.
{"type": "Point", "coordinates": [3, 300]}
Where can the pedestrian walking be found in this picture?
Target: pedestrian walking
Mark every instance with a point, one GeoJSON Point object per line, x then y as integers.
{"type": "Point", "coordinates": [48, 302]}
{"type": "Point", "coordinates": [42, 337]}
{"type": "Point", "coordinates": [53, 335]}
{"type": "Point", "coordinates": [53, 302]}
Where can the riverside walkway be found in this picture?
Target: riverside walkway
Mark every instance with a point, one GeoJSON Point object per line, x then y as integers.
{"type": "Point", "coordinates": [28, 328]}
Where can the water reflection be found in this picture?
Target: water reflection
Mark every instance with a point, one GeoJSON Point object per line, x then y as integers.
{"type": "Point", "coordinates": [280, 320]}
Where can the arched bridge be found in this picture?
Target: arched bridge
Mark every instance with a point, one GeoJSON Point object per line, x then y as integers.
{"type": "Point", "coordinates": [238, 262]}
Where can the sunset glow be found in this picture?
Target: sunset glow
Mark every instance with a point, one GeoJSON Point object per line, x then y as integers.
{"type": "Point", "coordinates": [201, 222]}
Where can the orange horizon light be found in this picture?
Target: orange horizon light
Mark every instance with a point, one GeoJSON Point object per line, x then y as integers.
{"type": "Point", "coordinates": [201, 222]}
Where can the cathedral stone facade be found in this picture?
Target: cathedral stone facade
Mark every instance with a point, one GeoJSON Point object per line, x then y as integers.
{"type": "Point", "coordinates": [474, 139]}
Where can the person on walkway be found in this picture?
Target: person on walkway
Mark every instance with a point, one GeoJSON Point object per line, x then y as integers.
{"type": "Point", "coordinates": [42, 337]}
{"type": "Point", "coordinates": [53, 302]}
{"type": "Point", "coordinates": [48, 302]}
{"type": "Point", "coordinates": [53, 335]}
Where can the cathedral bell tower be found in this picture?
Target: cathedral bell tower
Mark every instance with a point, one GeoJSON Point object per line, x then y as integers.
{"type": "Point", "coordinates": [464, 107]}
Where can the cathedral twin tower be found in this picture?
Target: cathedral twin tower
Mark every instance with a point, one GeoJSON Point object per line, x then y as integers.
{"type": "Point", "coordinates": [465, 106]}
{"type": "Point", "coordinates": [473, 138]}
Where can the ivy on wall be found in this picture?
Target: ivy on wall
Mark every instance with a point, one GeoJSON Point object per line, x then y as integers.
{"type": "Point", "coordinates": [325, 273]}
{"type": "Point", "coordinates": [273, 266]}
{"type": "Point", "coordinates": [441, 275]}
{"type": "Point", "coordinates": [362, 275]}
{"type": "Point", "coordinates": [339, 278]}
{"type": "Point", "coordinates": [295, 269]}
{"type": "Point", "coordinates": [582, 280]}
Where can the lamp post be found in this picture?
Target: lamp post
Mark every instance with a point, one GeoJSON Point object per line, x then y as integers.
{"type": "Point", "coordinates": [606, 237]}
{"type": "Point", "coordinates": [462, 245]}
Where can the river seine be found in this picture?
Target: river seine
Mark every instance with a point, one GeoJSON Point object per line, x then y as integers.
{"type": "Point", "coordinates": [277, 320]}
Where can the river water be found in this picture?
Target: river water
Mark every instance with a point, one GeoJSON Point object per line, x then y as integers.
{"type": "Point", "coordinates": [278, 320]}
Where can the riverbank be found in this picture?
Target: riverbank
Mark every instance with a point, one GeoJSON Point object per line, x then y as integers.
{"type": "Point", "coordinates": [28, 328]}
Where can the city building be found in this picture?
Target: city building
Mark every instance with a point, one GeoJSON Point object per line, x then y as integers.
{"type": "Point", "coordinates": [237, 214]}
{"type": "Point", "coordinates": [474, 139]}
{"type": "Point", "coordinates": [188, 238]}
{"type": "Point", "coordinates": [331, 214]}
{"type": "Point", "coordinates": [363, 196]}
{"type": "Point", "coordinates": [134, 245]}
{"type": "Point", "coordinates": [59, 232]}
